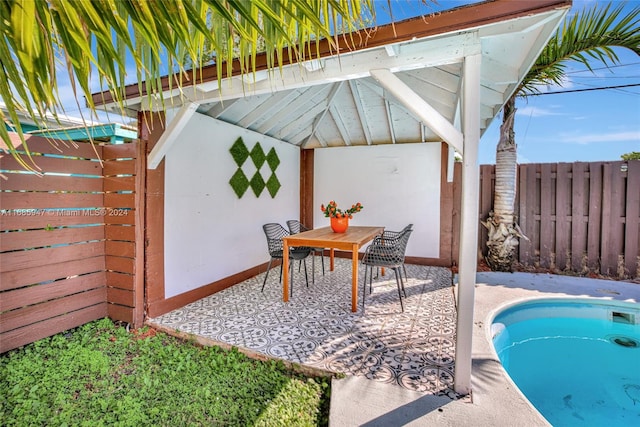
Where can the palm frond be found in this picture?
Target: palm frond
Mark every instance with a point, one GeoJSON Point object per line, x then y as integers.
{"type": "Point", "coordinates": [589, 36]}
{"type": "Point", "coordinates": [98, 40]}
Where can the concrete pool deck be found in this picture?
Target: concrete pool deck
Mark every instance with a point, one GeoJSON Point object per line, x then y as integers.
{"type": "Point", "coordinates": [494, 401]}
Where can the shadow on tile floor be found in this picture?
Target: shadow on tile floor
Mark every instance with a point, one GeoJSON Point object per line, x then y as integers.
{"type": "Point", "coordinates": [414, 349]}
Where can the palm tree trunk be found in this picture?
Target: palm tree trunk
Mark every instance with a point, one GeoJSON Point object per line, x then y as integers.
{"type": "Point", "coordinates": [503, 232]}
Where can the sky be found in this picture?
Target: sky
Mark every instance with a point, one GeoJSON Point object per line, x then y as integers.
{"type": "Point", "coordinates": [593, 125]}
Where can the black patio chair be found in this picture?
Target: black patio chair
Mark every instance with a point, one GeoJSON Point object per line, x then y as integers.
{"type": "Point", "coordinates": [296, 227]}
{"type": "Point", "coordinates": [388, 254]}
{"type": "Point", "coordinates": [391, 238]}
{"type": "Point", "coordinates": [274, 233]}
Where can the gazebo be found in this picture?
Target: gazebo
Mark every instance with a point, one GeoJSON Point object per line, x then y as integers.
{"type": "Point", "coordinates": [378, 121]}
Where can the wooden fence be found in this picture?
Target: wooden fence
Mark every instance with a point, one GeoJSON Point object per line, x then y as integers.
{"type": "Point", "coordinates": [72, 241]}
{"type": "Point", "coordinates": [69, 239]}
{"type": "Point", "coordinates": [579, 217]}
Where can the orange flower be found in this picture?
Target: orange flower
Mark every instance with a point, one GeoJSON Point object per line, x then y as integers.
{"type": "Point", "coordinates": [332, 211]}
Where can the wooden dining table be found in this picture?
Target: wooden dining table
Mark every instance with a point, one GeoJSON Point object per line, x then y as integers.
{"type": "Point", "coordinates": [351, 240]}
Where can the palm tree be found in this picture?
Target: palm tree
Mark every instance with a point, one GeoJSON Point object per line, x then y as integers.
{"type": "Point", "coordinates": [98, 38]}
{"type": "Point", "coordinates": [586, 37]}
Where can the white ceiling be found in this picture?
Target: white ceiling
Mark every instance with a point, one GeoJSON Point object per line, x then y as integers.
{"type": "Point", "coordinates": [335, 101]}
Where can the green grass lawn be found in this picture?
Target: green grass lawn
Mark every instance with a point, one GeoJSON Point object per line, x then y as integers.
{"type": "Point", "coordinates": [100, 374]}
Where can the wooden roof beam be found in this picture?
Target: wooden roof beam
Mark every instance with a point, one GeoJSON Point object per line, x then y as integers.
{"type": "Point", "coordinates": [357, 99]}
{"type": "Point", "coordinates": [334, 90]}
{"type": "Point", "coordinates": [419, 108]}
{"type": "Point", "coordinates": [170, 135]}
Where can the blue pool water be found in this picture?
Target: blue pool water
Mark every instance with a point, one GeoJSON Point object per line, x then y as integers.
{"type": "Point", "coordinates": [577, 361]}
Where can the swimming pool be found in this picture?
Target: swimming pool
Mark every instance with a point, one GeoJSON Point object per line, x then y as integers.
{"type": "Point", "coordinates": [576, 360]}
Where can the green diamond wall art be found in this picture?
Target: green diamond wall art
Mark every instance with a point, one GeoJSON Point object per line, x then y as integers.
{"type": "Point", "coordinates": [241, 183]}
{"type": "Point", "coordinates": [239, 152]}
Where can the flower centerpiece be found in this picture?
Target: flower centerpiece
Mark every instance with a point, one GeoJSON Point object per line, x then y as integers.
{"type": "Point", "coordinates": [339, 218]}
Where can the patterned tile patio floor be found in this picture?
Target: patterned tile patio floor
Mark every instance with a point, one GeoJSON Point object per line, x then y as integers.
{"type": "Point", "coordinates": [414, 349]}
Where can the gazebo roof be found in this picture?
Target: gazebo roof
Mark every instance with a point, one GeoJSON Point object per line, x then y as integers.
{"type": "Point", "coordinates": [359, 96]}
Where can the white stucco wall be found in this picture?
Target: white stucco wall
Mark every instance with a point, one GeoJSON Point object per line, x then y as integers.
{"type": "Point", "coordinates": [397, 184]}
{"type": "Point", "coordinates": [209, 233]}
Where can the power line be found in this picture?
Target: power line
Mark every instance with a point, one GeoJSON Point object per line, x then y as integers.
{"type": "Point", "coordinates": [611, 77]}
{"type": "Point", "coordinates": [584, 90]}
{"type": "Point", "coordinates": [602, 68]}
{"type": "Point", "coordinates": [622, 91]}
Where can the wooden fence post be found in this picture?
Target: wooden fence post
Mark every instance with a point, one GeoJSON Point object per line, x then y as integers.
{"type": "Point", "coordinates": [632, 220]}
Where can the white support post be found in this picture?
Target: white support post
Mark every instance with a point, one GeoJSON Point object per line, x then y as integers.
{"type": "Point", "coordinates": [419, 107]}
{"type": "Point", "coordinates": [451, 162]}
{"type": "Point", "coordinates": [170, 135]}
{"type": "Point", "coordinates": [468, 254]}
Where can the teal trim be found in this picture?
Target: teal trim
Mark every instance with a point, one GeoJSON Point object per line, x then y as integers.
{"type": "Point", "coordinates": [112, 132]}
{"type": "Point", "coordinates": [25, 127]}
